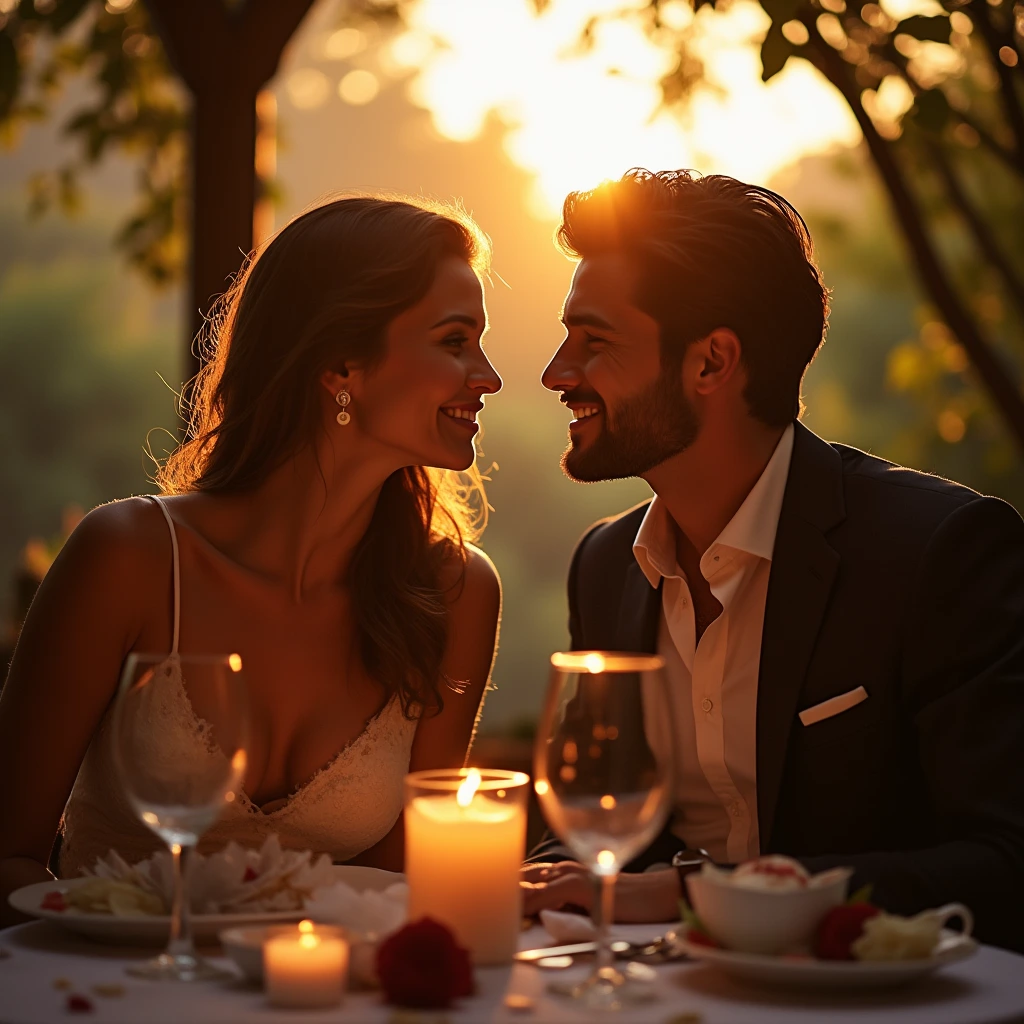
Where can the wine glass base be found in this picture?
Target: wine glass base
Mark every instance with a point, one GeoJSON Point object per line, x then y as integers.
{"type": "Point", "coordinates": [180, 967]}
{"type": "Point", "coordinates": [606, 989]}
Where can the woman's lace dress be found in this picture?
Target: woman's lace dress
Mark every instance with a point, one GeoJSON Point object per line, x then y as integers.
{"type": "Point", "coordinates": [345, 808]}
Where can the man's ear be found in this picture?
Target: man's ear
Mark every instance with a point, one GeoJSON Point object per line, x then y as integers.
{"type": "Point", "coordinates": [718, 356]}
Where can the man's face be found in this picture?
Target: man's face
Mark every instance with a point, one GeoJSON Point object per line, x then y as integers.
{"type": "Point", "coordinates": [630, 411]}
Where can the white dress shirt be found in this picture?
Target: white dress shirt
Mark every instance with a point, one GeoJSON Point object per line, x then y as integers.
{"type": "Point", "coordinates": [713, 684]}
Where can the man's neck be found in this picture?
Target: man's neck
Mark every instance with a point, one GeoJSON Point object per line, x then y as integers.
{"type": "Point", "coordinates": [703, 487]}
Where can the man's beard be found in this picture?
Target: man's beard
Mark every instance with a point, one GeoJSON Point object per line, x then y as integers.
{"type": "Point", "coordinates": [649, 428]}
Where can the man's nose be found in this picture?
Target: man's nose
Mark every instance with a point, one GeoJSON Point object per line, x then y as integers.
{"type": "Point", "coordinates": [562, 373]}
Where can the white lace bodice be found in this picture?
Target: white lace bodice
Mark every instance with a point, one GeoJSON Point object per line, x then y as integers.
{"type": "Point", "coordinates": [346, 807]}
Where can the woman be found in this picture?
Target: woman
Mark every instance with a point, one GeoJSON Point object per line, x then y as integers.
{"type": "Point", "coordinates": [308, 536]}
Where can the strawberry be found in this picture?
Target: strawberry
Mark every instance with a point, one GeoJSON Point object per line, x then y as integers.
{"type": "Point", "coordinates": [840, 928]}
{"type": "Point", "coordinates": [54, 900]}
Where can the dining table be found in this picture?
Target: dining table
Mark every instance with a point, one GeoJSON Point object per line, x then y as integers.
{"type": "Point", "coordinates": [42, 967]}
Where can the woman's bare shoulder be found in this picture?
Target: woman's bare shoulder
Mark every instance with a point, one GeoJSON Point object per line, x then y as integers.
{"type": "Point", "coordinates": [126, 532]}
{"type": "Point", "coordinates": [470, 576]}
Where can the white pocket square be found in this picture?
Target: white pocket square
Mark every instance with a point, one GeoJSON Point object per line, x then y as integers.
{"type": "Point", "coordinates": [833, 706]}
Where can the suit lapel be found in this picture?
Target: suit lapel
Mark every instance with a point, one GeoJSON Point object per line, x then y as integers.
{"type": "Point", "coordinates": [639, 612]}
{"type": "Point", "coordinates": [804, 567]}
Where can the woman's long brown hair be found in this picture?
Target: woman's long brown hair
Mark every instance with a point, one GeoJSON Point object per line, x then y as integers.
{"type": "Point", "coordinates": [321, 293]}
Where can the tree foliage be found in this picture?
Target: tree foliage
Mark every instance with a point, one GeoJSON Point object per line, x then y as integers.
{"type": "Point", "coordinates": [939, 98]}
{"type": "Point", "coordinates": [129, 102]}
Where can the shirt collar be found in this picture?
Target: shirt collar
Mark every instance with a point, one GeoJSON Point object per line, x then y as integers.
{"type": "Point", "coordinates": [752, 529]}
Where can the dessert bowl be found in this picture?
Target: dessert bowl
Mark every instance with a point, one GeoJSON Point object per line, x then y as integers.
{"type": "Point", "coordinates": [767, 919]}
{"type": "Point", "coordinates": [245, 947]}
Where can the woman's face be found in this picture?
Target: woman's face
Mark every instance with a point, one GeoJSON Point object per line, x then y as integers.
{"type": "Point", "coordinates": [422, 400]}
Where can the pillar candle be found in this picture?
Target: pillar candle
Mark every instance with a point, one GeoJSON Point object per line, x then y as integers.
{"type": "Point", "coordinates": [464, 850]}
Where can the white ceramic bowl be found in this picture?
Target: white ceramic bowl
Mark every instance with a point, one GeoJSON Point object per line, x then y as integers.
{"type": "Point", "coordinates": [766, 921]}
{"type": "Point", "coordinates": [245, 947]}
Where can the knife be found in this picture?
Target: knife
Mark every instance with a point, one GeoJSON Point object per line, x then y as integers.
{"type": "Point", "coordinates": [530, 955]}
{"type": "Point", "coordinates": [618, 946]}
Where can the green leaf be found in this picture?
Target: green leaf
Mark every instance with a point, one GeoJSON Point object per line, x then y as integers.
{"type": "Point", "coordinates": [931, 111]}
{"type": "Point", "coordinates": [931, 29]}
{"type": "Point", "coordinates": [775, 51]}
{"type": "Point", "coordinates": [862, 895]}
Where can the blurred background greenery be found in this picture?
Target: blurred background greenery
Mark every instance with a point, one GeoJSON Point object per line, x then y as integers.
{"type": "Point", "coordinates": [90, 350]}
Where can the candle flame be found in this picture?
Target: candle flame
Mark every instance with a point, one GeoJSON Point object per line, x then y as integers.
{"type": "Point", "coordinates": [464, 797]}
{"type": "Point", "coordinates": [608, 802]}
{"type": "Point", "coordinates": [606, 858]}
{"type": "Point", "coordinates": [306, 926]}
{"type": "Point", "coordinates": [594, 663]}
{"type": "Point", "coordinates": [308, 941]}
{"type": "Point", "coordinates": [541, 786]}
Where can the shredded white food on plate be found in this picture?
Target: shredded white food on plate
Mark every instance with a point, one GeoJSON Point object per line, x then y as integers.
{"type": "Point", "coordinates": [234, 880]}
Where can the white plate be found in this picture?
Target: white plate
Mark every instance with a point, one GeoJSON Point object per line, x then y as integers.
{"type": "Point", "coordinates": [793, 972]}
{"type": "Point", "coordinates": [153, 930]}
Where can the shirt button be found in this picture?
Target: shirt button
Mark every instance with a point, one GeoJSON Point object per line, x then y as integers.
{"type": "Point", "coordinates": [706, 704]}
{"type": "Point", "coordinates": [736, 809]}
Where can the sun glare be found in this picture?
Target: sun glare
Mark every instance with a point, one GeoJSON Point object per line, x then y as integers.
{"type": "Point", "coordinates": [575, 115]}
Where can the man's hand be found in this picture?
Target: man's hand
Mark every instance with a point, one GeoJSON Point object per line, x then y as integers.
{"type": "Point", "coordinates": [652, 896]}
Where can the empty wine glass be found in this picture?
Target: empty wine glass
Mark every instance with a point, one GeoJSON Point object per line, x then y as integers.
{"type": "Point", "coordinates": [603, 787]}
{"type": "Point", "coordinates": [180, 744]}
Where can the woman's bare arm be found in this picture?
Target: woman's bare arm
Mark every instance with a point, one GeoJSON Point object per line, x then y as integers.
{"type": "Point", "coordinates": [443, 741]}
{"type": "Point", "coordinates": [82, 623]}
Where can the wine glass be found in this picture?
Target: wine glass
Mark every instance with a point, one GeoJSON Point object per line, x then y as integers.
{"type": "Point", "coordinates": [180, 733]}
{"type": "Point", "coordinates": [603, 787]}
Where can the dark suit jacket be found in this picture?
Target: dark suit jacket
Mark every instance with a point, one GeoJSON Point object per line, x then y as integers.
{"type": "Point", "coordinates": [912, 587]}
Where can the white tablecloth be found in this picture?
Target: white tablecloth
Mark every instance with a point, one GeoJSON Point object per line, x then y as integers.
{"type": "Point", "coordinates": [987, 989]}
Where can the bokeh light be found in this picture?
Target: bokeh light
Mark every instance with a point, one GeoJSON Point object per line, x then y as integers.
{"type": "Point", "coordinates": [307, 88]}
{"type": "Point", "coordinates": [359, 87]}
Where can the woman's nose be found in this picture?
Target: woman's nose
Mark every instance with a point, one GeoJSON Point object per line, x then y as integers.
{"type": "Point", "coordinates": [485, 378]}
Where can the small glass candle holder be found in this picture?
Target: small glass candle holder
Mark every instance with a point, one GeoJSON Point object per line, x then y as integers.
{"type": "Point", "coordinates": [465, 839]}
{"type": "Point", "coordinates": [306, 967]}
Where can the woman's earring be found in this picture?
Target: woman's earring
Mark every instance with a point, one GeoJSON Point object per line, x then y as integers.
{"type": "Point", "coordinates": [343, 398]}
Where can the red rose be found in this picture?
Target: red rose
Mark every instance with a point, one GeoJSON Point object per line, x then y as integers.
{"type": "Point", "coordinates": [840, 929]}
{"type": "Point", "coordinates": [54, 900]}
{"type": "Point", "coordinates": [422, 966]}
{"type": "Point", "coordinates": [250, 874]}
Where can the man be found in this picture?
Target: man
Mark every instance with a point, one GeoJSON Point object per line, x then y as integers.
{"type": "Point", "coordinates": [843, 638]}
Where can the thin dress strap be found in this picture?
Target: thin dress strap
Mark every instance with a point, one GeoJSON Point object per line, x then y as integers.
{"type": "Point", "coordinates": [177, 569]}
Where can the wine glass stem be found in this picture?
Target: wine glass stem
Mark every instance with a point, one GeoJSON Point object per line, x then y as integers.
{"type": "Point", "coordinates": [180, 943]}
{"type": "Point", "coordinates": [605, 916]}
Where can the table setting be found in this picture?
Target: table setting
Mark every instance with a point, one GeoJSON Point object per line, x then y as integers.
{"type": "Point", "coordinates": [272, 934]}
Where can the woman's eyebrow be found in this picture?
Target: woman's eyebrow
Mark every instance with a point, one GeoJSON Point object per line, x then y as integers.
{"type": "Point", "coordinates": [457, 318]}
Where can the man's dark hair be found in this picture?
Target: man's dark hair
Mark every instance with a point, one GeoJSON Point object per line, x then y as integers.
{"type": "Point", "coordinates": [713, 252]}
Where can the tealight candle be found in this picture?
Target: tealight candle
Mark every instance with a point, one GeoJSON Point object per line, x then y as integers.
{"type": "Point", "coordinates": [305, 968]}
{"type": "Point", "coordinates": [465, 838]}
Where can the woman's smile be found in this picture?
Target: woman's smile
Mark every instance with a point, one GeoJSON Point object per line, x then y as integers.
{"type": "Point", "coordinates": [464, 416]}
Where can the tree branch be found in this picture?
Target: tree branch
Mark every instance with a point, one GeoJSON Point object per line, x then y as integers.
{"type": "Point", "coordinates": [987, 363]}
{"type": "Point", "coordinates": [983, 235]}
{"type": "Point", "coordinates": [1007, 87]}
